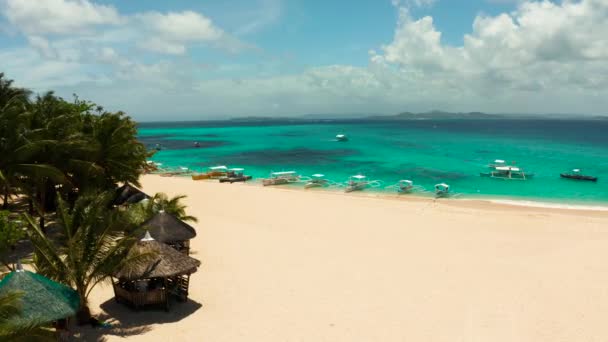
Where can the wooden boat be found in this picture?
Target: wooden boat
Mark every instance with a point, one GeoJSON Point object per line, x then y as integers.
{"type": "Point", "coordinates": [356, 183]}
{"type": "Point", "coordinates": [214, 172]}
{"type": "Point", "coordinates": [279, 178]}
{"type": "Point", "coordinates": [316, 181]}
{"type": "Point", "coordinates": [508, 173]}
{"type": "Point", "coordinates": [235, 175]}
{"type": "Point", "coordinates": [442, 190]}
{"type": "Point", "coordinates": [576, 175]}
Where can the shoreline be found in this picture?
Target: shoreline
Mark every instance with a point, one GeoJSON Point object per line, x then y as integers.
{"type": "Point", "coordinates": [463, 200]}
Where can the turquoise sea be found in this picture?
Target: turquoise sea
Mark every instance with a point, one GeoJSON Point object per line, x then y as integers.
{"type": "Point", "coordinates": [425, 151]}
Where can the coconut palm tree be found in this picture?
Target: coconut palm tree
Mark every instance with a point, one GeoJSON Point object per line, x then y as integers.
{"type": "Point", "coordinates": [144, 210]}
{"type": "Point", "coordinates": [92, 247]}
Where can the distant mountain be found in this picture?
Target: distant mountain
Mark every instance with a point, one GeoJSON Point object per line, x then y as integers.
{"type": "Point", "coordinates": [437, 114]}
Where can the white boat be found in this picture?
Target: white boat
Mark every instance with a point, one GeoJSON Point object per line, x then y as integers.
{"type": "Point", "coordinates": [283, 177]}
{"type": "Point", "coordinates": [341, 137]}
{"type": "Point", "coordinates": [442, 190]}
{"type": "Point", "coordinates": [507, 173]}
{"type": "Point", "coordinates": [316, 181]}
{"type": "Point", "coordinates": [405, 186]}
{"type": "Point", "coordinates": [356, 183]}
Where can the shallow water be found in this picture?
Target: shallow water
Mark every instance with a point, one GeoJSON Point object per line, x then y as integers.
{"type": "Point", "coordinates": [426, 151]}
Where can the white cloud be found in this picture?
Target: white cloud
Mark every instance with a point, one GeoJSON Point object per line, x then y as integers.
{"type": "Point", "coordinates": [542, 57]}
{"type": "Point", "coordinates": [44, 17]}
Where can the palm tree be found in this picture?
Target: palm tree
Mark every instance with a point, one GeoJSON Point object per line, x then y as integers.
{"type": "Point", "coordinates": [9, 308]}
{"type": "Point", "coordinates": [144, 210]}
{"type": "Point", "coordinates": [92, 247]}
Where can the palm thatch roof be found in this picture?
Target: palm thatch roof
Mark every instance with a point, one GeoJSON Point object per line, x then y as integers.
{"type": "Point", "coordinates": [128, 194]}
{"type": "Point", "coordinates": [166, 228]}
{"type": "Point", "coordinates": [43, 300]}
{"type": "Point", "coordinates": [158, 260]}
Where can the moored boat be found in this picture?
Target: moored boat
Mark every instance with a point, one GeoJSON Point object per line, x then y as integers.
{"type": "Point", "coordinates": [442, 190]}
{"type": "Point", "coordinates": [214, 172]}
{"type": "Point", "coordinates": [508, 173]}
{"type": "Point", "coordinates": [405, 186]}
{"type": "Point", "coordinates": [577, 175]}
{"type": "Point", "coordinates": [341, 137]}
{"type": "Point", "coordinates": [236, 174]}
{"type": "Point", "coordinates": [316, 181]}
{"type": "Point", "coordinates": [280, 178]}
{"type": "Point", "coordinates": [356, 183]}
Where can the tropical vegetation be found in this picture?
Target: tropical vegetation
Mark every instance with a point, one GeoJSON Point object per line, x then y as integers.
{"type": "Point", "coordinates": [63, 160]}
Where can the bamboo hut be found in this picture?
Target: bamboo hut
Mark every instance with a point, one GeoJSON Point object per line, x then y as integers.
{"type": "Point", "coordinates": [128, 194]}
{"type": "Point", "coordinates": [170, 230]}
{"type": "Point", "coordinates": [43, 300]}
{"type": "Point", "coordinates": [161, 273]}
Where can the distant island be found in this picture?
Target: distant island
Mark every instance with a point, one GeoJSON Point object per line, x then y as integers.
{"type": "Point", "coordinates": [431, 115]}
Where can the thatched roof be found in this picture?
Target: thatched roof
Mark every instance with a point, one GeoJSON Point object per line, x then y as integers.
{"type": "Point", "coordinates": [43, 300]}
{"type": "Point", "coordinates": [167, 228]}
{"type": "Point", "coordinates": [163, 261]}
{"type": "Point", "coordinates": [128, 194]}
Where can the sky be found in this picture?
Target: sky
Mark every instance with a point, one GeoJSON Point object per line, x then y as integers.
{"type": "Point", "coordinates": [207, 59]}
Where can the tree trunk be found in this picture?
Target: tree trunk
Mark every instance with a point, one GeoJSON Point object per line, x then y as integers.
{"type": "Point", "coordinates": [83, 316]}
{"type": "Point", "coordinates": [6, 196]}
{"type": "Point", "coordinates": [42, 210]}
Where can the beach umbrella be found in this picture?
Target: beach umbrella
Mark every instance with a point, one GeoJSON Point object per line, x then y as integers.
{"type": "Point", "coordinates": [166, 228]}
{"type": "Point", "coordinates": [128, 194]}
{"type": "Point", "coordinates": [43, 300]}
{"type": "Point", "coordinates": [164, 261]}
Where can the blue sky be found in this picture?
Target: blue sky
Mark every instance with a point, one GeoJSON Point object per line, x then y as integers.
{"type": "Point", "coordinates": [215, 59]}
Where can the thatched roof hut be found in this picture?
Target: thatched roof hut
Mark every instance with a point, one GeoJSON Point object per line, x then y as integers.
{"type": "Point", "coordinates": [128, 194]}
{"type": "Point", "coordinates": [168, 229]}
{"type": "Point", "coordinates": [43, 300]}
{"type": "Point", "coordinates": [165, 261]}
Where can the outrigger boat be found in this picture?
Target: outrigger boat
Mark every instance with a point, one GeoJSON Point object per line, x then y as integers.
{"type": "Point", "coordinates": [236, 174]}
{"type": "Point", "coordinates": [316, 181]}
{"type": "Point", "coordinates": [405, 186]}
{"type": "Point", "coordinates": [279, 178]}
{"type": "Point", "coordinates": [576, 174]}
{"type": "Point", "coordinates": [442, 190]}
{"type": "Point", "coordinates": [507, 173]}
{"type": "Point", "coordinates": [356, 183]}
{"type": "Point", "coordinates": [214, 172]}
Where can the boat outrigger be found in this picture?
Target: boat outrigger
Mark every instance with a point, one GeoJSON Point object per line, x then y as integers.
{"type": "Point", "coordinates": [442, 190]}
{"type": "Point", "coordinates": [316, 181]}
{"type": "Point", "coordinates": [279, 178]}
{"type": "Point", "coordinates": [577, 175]}
{"type": "Point", "coordinates": [507, 173]}
{"type": "Point", "coordinates": [236, 174]}
{"type": "Point", "coordinates": [214, 172]}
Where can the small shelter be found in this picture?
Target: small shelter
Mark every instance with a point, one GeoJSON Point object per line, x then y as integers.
{"type": "Point", "coordinates": [128, 194]}
{"type": "Point", "coordinates": [161, 273]}
{"type": "Point", "coordinates": [168, 229]}
{"type": "Point", "coordinates": [43, 300]}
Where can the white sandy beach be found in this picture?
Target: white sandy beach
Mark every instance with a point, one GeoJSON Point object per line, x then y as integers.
{"type": "Point", "coordinates": [283, 265]}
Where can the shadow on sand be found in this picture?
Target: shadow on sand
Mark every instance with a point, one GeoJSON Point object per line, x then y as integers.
{"type": "Point", "coordinates": [123, 321]}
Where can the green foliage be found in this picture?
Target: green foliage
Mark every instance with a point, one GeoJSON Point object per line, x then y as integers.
{"type": "Point", "coordinates": [47, 143]}
{"type": "Point", "coordinates": [10, 234]}
{"type": "Point", "coordinates": [144, 210]}
{"type": "Point", "coordinates": [92, 247]}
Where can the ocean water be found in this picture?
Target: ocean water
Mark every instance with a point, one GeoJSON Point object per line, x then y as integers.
{"type": "Point", "coordinates": [425, 151]}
